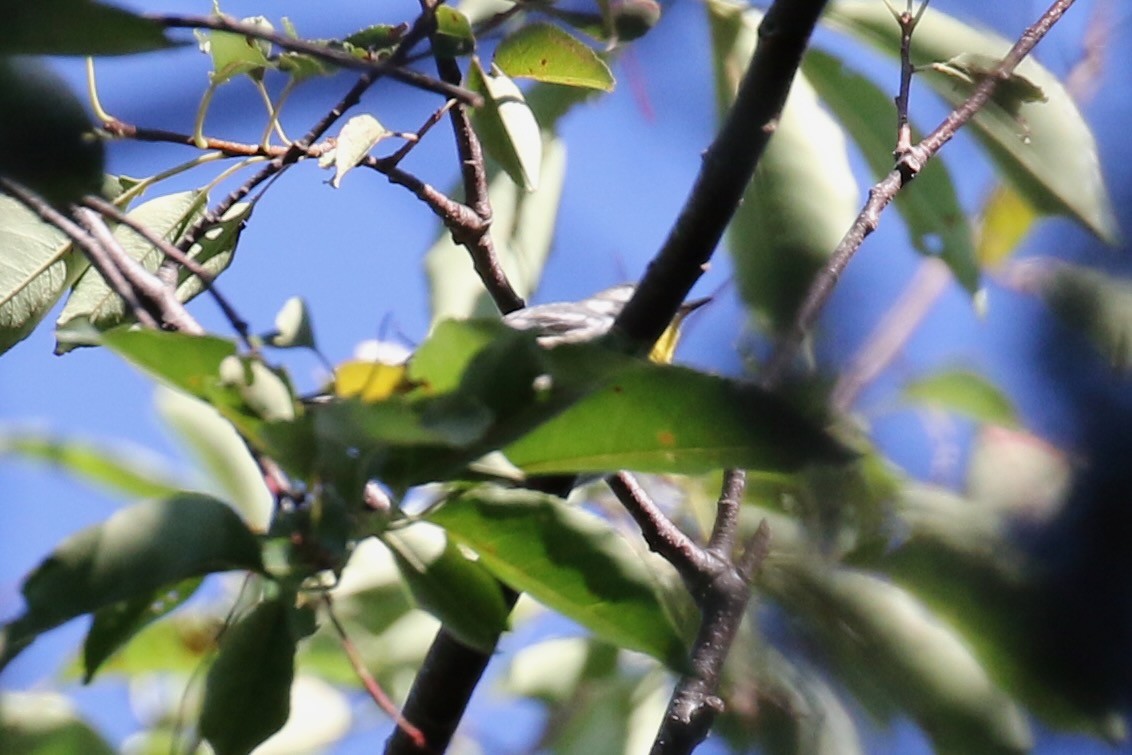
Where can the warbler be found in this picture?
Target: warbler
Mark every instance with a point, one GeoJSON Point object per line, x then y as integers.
{"type": "Point", "coordinates": [585, 320]}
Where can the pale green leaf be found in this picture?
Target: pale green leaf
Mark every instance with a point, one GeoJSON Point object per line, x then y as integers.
{"type": "Point", "coordinates": [360, 134]}
{"type": "Point", "coordinates": [963, 392]}
{"type": "Point", "coordinates": [545, 52]}
{"type": "Point", "coordinates": [38, 264]}
{"type": "Point", "coordinates": [506, 126]}
{"type": "Point", "coordinates": [92, 300]}
{"type": "Point", "coordinates": [129, 471]}
{"type": "Point", "coordinates": [454, 588]}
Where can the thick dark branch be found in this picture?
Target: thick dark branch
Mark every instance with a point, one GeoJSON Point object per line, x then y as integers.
{"type": "Point", "coordinates": [727, 169]}
{"type": "Point", "coordinates": [391, 68]}
{"type": "Point", "coordinates": [908, 166]}
{"type": "Point", "coordinates": [722, 596]}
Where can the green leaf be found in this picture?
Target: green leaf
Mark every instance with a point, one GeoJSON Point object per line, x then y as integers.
{"type": "Point", "coordinates": [92, 300]}
{"type": "Point", "coordinates": [114, 625]}
{"type": "Point", "coordinates": [228, 466]}
{"type": "Point", "coordinates": [234, 54]}
{"type": "Point", "coordinates": [661, 418]}
{"type": "Point", "coordinates": [522, 231]}
{"type": "Point", "coordinates": [37, 266]}
{"type": "Point", "coordinates": [545, 52]}
{"type": "Point", "coordinates": [959, 558]}
{"type": "Point", "coordinates": [453, 36]}
{"type": "Point", "coordinates": [214, 251]}
{"type": "Point", "coordinates": [506, 126]}
{"type": "Point", "coordinates": [137, 551]}
{"type": "Point", "coordinates": [39, 723]}
{"type": "Point", "coordinates": [803, 195]}
{"type": "Point", "coordinates": [76, 27]}
{"type": "Point", "coordinates": [936, 222]}
{"type": "Point", "coordinates": [1045, 149]}
{"type": "Point", "coordinates": [191, 363]}
{"type": "Point", "coordinates": [454, 588]}
{"type": "Point", "coordinates": [570, 561]}
{"type": "Point", "coordinates": [247, 695]}
{"type": "Point", "coordinates": [46, 139]}
{"type": "Point", "coordinates": [1098, 305]}
{"type": "Point", "coordinates": [125, 470]}
{"type": "Point", "coordinates": [963, 392]}
{"type": "Point", "coordinates": [886, 640]}
{"type": "Point", "coordinates": [360, 134]}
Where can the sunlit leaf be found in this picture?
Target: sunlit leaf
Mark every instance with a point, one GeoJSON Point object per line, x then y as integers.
{"type": "Point", "coordinates": [963, 392]}
{"type": "Point", "coordinates": [92, 300]}
{"type": "Point", "coordinates": [214, 250]}
{"type": "Point", "coordinates": [567, 559]}
{"type": "Point", "coordinates": [545, 52]}
{"type": "Point", "coordinates": [360, 134]}
{"type": "Point", "coordinates": [234, 54]}
{"type": "Point", "coordinates": [506, 126]}
{"type": "Point", "coordinates": [1045, 148]}
{"type": "Point", "coordinates": [671, 419]}
{"type": "Point", "coordinates": [39, 723]}
{"type": "Point", "coordinates": [453, 36]}
{"type": "Point", "coordinates": [293, 326]}
{"type": "Point", "coordinates": [124, 470]}
{"type": "Point", "coordinates": [37, 266]}
{"type": "Point", "coordinates": [448, 584]}
{"type": "Point", "coordinates": [229, 469]}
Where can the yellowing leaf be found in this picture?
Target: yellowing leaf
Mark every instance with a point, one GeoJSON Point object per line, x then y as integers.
{"type": "Point", "coordinates": [369, 381]}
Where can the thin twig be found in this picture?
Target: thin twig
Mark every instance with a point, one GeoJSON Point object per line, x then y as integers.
{"type": "Point", "coordinates": [418, 31]}
{"type": "Point", "coordinates": [207, 279]}
{"type": "Point", "coordinates": [340, 58]}
{"type": "Point", "coordinates": [908, 166]}
{"type": "Point", "coordinates": [476, 237]}
{"type": "Point", "coordinates": [661, 534]}
{"type": "Point", "coordinates": [151, 289]}
{"type": "Point", "coordinates": [86, 242]}
{"type": "Point", "coordinates": [372, 686]}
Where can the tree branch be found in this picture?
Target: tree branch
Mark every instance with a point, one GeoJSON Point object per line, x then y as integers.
{"type": "Point", "coordinates": [908, 165]}
{"type": "Point", "coordinates": [391, 68]}
{"type": "Point", "coordinates": [727, 168]}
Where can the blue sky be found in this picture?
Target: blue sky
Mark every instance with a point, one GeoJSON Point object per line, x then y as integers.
{"type": "Point", "coordinates": [354, 254]}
